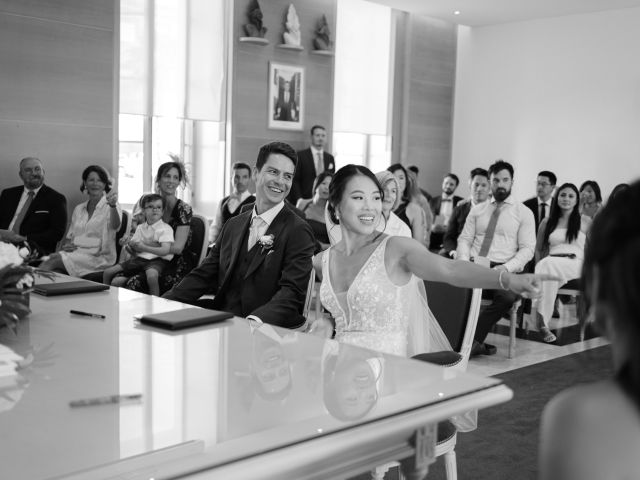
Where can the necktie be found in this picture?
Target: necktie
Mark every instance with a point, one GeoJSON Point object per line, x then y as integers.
{"type": "Point", "coordinates": [491, 229]}
{"type": "Point", "coordinates": [256, 223]}
{"type": "Point", "coordinates": [543, 211]}
{"type": "Point", "coordinates": [319, 163]}
{"type": "Point", "coordinates": [23, 212]}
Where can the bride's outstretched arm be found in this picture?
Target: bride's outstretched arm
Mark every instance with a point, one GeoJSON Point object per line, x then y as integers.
{"type": "Point", "coordinates": [415, 258]}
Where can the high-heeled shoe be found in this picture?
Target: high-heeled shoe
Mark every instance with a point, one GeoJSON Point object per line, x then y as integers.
{"type": "Point", "coordinates": [547, 335]}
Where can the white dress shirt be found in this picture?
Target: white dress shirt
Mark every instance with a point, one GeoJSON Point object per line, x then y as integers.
{"type": "Point", "coordinates": [446, 208]}
{"type": "Point", "coordinates": [514, 239]}
{"type": "Point", "coordinates": [318, 160]}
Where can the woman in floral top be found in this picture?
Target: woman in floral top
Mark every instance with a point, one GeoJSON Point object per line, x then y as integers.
{"type": "Point", "coordinates": [177, 214]}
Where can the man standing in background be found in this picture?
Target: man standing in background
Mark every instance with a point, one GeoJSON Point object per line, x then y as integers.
{"type": "Point", "coordinates": [311, 162]}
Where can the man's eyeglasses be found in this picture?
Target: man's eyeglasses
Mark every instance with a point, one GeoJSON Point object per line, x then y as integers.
{"type": "Point", "coordinates": [543, 184]}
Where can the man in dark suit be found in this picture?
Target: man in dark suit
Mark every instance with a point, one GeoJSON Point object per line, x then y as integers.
{"type": "Point", "coordinates": [540, 205]}
{"type": "Point", "coordinates": [442, 207]}
{"type": "Point", "coordinates": [311, 162]}
{"type": "Point", "coordinates": [286, 106]}
{"type": "Point", "coordinates": [260, 266]}
{"type": "Point", "coordinates": [33, 212]}
{"type": "Point", "coordinates": [480, 189]}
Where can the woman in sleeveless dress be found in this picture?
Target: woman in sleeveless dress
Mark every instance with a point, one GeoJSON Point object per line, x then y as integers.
{"type": "Point", "coordinates": [559, 250]}
{"type": "Point", "coordinates": [592, 431]}
{"type": "Point", "coordinates": [371, 283]}
{"type": "Point", "coordinates": [409, 210]}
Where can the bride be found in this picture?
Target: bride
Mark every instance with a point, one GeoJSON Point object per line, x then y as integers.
{"type": "Point", "coordinates": [371, 282]}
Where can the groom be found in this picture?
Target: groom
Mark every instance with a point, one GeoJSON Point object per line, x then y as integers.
{"type": "Point", "coordinates": [260, 265]}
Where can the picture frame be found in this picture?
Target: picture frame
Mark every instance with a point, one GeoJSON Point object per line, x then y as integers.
{"type": "Point", "coordinates": [286, 97]}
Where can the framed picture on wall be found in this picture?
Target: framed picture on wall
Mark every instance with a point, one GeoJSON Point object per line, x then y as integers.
{"type": "Point", "coordinates": [286, 96]}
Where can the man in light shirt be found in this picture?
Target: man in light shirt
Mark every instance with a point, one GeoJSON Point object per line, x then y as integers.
{"type": "Point", "coordinates": [479, 186]}
{"type": "Point", "coordinates": [231, 205]}
{"type": "Point", "coordinates": [503, 231]}
{"type": "Point", "coordinates": [33, 212]}
{"type": "Point", "coordinates": [260, 265]}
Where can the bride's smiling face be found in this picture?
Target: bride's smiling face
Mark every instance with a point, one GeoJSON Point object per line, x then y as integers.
{"type": "Point", "coordinates": [361, 205]}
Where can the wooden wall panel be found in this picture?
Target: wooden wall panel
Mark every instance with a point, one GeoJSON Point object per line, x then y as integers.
{"type": "Point", "coordinates": [251, 71]}
{"type": "Point", "coordinates": [423, 96]}
{"type": "Point", "coordinates": [57, 88]}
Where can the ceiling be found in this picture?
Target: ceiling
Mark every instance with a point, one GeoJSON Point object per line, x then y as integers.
{"type": "Point", "coordinates": [489, 12]}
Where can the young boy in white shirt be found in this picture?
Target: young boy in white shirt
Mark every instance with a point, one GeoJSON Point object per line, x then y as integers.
{"type": "Point", "coordinates": [151, 244]}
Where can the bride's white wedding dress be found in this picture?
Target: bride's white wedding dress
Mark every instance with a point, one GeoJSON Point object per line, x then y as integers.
{"type": "Point", "coordinates": [377, 314]}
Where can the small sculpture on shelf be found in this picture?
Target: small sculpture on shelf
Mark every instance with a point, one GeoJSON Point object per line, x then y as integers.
{"type": "Point", "coordinates": [255, 28]}
{"type": "Point", "coordinates": [292, 35]}
{"type": "Point", "coordinates": [322, 41]}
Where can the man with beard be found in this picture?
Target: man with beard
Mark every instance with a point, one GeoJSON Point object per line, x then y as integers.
{"type": "Point", "coordinates": [33, 212]}
{"type": "Point", "coordinates": [503, 231]}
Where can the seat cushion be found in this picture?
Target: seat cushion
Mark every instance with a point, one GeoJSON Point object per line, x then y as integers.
{"type": "Point", "coordinates": [446, 430]}
{"type": "Point", "coordinates": [572, 284]}
{"type": "Point", "coordinates": [444, 359]}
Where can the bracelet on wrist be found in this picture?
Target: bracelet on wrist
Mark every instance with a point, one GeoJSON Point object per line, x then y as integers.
{"type": "Point", "coordinates": [502, 272]}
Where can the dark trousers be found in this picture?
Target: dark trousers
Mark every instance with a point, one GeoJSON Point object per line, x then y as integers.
{"type": "Point", "coordinates": [490, 314]}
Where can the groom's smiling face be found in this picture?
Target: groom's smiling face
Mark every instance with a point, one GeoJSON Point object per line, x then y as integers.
{"type": "Point", "coordinates": [273, 181]}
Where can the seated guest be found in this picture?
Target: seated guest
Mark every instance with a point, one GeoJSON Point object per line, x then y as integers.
{"type": "Point", "coordinates": [260, 266]}
{"type": "Point", "coordinates": [416, 173]}
{"type": "Point", "coordinates": [231, 205]}
{"type": "Point", "coordinates": [418, 197]}
{"type": "Point", "coordinates": [541, 203]}
{"type": "Point", "coordinates": [592, 431]}
{"type": "Point", "coordinates": [33, 212]}
{"type": "Point", "coordinates": [389, 222]}
{"type": "Point", "coordinates": [177, 214]}
{"type": "Point", "coordinates": [617, 189]}
{"type": "Point", "coordinates": [559, 250]}
{"type": "Point", "coordinates": [90, 245]}
{"type": "Point", "coordinates": [313, 208]}
{"type": "Point", "coordinates": [590, 198]}
{"type": "Point", "coordinates": [409, 210]}
{"type": "Point", "coordinates": [502, 231]}
{"type": "Point", "coordinates": [150, 245]}
{"type": "Point", "coordinates": [442, 208]}
{"type": "Point", "coordinates": [479, 186]}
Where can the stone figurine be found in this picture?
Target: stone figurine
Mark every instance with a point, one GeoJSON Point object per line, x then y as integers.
{"type": "Point", "coordinates": [292, 35]}
{"type": "Point", "coordinates": [322, 41]}
{"type": "Point", "coordinates": [255, 28]}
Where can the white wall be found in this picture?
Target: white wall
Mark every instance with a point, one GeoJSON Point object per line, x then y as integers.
{"type": "Point", "coordinates": [560, 94]}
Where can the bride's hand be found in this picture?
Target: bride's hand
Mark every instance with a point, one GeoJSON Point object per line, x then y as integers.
{"type": "Point", "coordinates": [321, 327]}
{"type": "Point", "coordinates": [528, 284]}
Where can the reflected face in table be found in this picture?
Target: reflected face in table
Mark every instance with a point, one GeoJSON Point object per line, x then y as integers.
{"type": "Point", "coordinates": [351, 390]}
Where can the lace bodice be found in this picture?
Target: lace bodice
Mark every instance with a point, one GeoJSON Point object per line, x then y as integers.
{"type": "Point", "coordinates": [377, 314]}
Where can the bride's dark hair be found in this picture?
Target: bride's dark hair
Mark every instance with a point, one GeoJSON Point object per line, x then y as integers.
{"type": "Point", "coordinates": [339, 184]}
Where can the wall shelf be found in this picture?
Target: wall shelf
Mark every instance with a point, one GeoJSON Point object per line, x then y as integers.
{"type": "Point", "coordinates": [296, 48]}
{"type": "Point", "coordinates": [326, 53]}
{"type": "Point", "coordinates": [255, 40]}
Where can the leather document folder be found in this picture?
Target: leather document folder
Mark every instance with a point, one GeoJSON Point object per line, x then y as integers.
{"type": "Point", "coordinates": [68, 288]}
{"type": "Point", "coordinates": [184, 318]}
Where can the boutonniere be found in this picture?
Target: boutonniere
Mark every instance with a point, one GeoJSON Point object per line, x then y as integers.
{"type": "Point", "coordinates": [330, 166]}
{"type": "Point", "coordinates": [266, 242]}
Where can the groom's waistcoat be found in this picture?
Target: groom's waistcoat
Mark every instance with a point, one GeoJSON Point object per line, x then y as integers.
{"type": "Point", "coordinates": [233, 295]}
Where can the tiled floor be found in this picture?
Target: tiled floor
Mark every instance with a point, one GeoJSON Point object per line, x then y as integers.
{"type": "Point", "coordinates": [529, 352]}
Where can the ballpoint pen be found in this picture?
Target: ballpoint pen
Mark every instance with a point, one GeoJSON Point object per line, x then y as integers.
{"type": "Point", "coordinates": [105, 400]}
{"type": "Point", "coordinates": [87, 314]}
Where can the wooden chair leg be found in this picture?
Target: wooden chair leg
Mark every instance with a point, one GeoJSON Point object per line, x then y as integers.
{"type": "Point", "coordinates": [512, 329]}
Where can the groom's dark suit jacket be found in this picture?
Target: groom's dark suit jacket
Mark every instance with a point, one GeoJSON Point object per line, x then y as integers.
{"type": "Point", "coordinates": [270, 284]}
{"type": "Point", "coordinates": [45, 221]}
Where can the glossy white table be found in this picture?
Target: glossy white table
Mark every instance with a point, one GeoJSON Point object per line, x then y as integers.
{"type": "Point", "coordinates": [222, 401]}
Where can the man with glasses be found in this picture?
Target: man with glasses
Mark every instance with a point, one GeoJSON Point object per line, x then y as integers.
{"type": "Point", "coordinates": [540, 205]}
{"type": "Point", "coordinates": [33, 212]}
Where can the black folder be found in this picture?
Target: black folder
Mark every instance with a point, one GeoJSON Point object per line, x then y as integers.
{"type": "Point", "coordinates": [184, 318]}
{"type": "Point", "coordinates": [68, 288]}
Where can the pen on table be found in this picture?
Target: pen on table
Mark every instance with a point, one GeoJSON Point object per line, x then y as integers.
{"type": "Point", "coordinates": [105, 400]}
{"type": "Point", "coordinates": [87, 314]}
